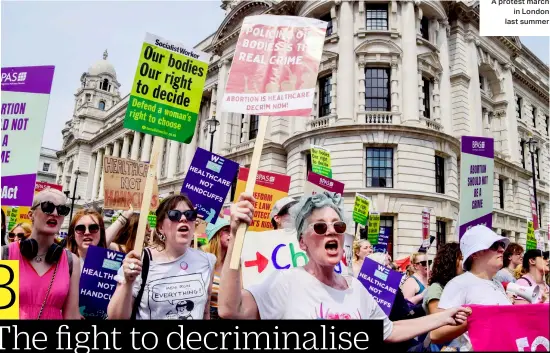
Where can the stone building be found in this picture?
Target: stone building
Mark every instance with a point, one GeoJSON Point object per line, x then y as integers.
{"type": "Point", "coordinates": [47, 165]}
{"type": "Point", "coordinates": [399, 83]}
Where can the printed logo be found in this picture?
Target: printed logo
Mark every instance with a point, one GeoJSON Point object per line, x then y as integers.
{"type": "Point", "coordinates": [215, 163]}
{"type": "Point", "coordinates": [14, 77]}
{"type": "Point", "coordinates": [326, 182]}
{"type": "Point", "coordinates": [183, 265]}
{"type": "Point", "coordinates": [382, 272]}
{"type": "Point", "coordinates": [478, 144]}
{"type": "Point", "coordinates": [111, 265]}
{"type": "Point", "coordinates": [265, 178]}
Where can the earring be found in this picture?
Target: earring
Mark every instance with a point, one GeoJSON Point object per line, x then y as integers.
{"type": "Point", "coordinates": [162, 237]}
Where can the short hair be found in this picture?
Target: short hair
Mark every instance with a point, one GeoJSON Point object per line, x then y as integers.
{"type": "Point", "coordinates": [512, 249]}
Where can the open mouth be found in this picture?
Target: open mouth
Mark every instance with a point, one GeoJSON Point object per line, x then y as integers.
{"type": "Point", "coordinates": [87, 240]}
{"type": "Point", "coordinates": [51, 222]}
{"type": "Point", "coordinates": [331, 247]}
{"type": "Point", "coordinates": [183, 228]}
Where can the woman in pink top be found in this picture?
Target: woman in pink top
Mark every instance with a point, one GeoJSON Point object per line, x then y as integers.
{"type": "Point", "coordinates": [47, 289]}
{"type": "Point", "coordinates": [535, 262]}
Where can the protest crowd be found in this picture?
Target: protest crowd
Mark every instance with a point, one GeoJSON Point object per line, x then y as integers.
{"type": "Point", "coordinates": [261, 254]}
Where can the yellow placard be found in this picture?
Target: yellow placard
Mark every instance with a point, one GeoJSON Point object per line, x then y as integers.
{"type": "Point", "coordinates": [9, 290]}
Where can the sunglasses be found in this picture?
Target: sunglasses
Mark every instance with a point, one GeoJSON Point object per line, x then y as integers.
{"type": "Point", "coordinates": [13, 235]}
{"type": "Point", "coordinates": [497, 245]}
{"type": "Point", "coordinates": [322, 227]}
{"type": "Point", "coordinates": [424, 263]}
{"type": "Point", "coordinates": [175, 215]}
{"type": "Point", "coordinates": [81, 228]}
{"type": "Point", "coordinates": [48, 207]}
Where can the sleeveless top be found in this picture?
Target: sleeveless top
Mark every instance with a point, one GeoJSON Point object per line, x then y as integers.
{"type": "Point", "coordinates": [33, 288]}
{"type": "Point", "coordinates": [419, 284]}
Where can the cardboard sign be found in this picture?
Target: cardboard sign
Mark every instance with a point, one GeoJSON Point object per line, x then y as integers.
{"type": "Point", "coordinates": [320, 161]}
{"type": "Point", "coordinates": [25, 100]}
{"type": "Point", "coordinates": [317, 183]}
{"type": "Point", "coordinates": [476, 182]}
{"type": "Point", "coordinates": [269, 251]}
{"type": "Point", "coordinates": [531, 240]}
{"type": "Point", "coordinates": [373, 229]}
{"type": "Point", "coordinates": [97, 283]}
{"type": "Point", "coordinates": [361, 209]}
{"type": "Point", "coordinates": [426, 228]}
{"type": "Point", "coordinates": [275, 66]}
{"type": "Point", "coordinates": [269, 188]}
{"type": "Point", "coordinates": [166, 94]}
{"type": "Point", "coordinates": [208, 181]}
{"type": "Point", "coordinates": [124, 183]}
{"type": "Point", "coordinates": [381, 282]}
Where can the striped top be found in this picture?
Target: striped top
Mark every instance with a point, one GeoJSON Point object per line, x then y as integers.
{"type": "Point", "coordinates": [215, 290]}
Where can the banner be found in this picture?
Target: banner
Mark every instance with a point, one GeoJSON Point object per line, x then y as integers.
{"type": "Point", "coordinates": [275, 66]}
{"type": "Point", "coordinates": [25, 100]}
{"type": "Point", "coordinates": [373, 228]}
{"type": "Point", "coordinates": [124, 181]}
{"type": "Point", "coordinates": [269, 188]}
{"type": "Point", "coordinates": [526, 328]}
{"type": "Point", "coordinates": [381, 282]}
{"type": "Point", "coordinates": [269, 251]}
{"type": "Point", "coordinates": [382, 243]}
{"type": "Point", "coordinates": [361, 209]}
{"type": "Point", "coordinates": [476, 182]}
{"type": "Point", "coordinates": [320, 161]}
{"type": "Point", "coordinates": [166, 94]}
{"type": "Point", "coordinates": [531, 242]}
{"type": "Point", "coordinates": [317, 183]}
{"type": "Point", "coordinates": [426, 228]}
{"type": "Point", "coordinates": [97, 283]}
{"type": "Point", "coordinates": [208, 181]}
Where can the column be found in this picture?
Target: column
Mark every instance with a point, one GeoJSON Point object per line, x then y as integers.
{"type": "Point", "coordinates": [190, 149]}
{"type": "Point", "coordinates": [97, 173]}
{"type": "Point", "coordinates": [436, 101]}
{"type": "Point", "coordinates": [135, 146]}
{"type": "Point", "coordinates": [116, 149]}
{"type": "Point", "coordinates": [509, 195]}
{"type": "Point", "coordinates": [410, 64]}
{"type": "Point", "coordinates": [183, 153]}
{"type": "Point", "coordinates": [59, 170]}
{"type": "Point", "coordinates": [102, 183]}
{"type": "Point", "coordinates": [333, 88]}
{"type": "Point", "coordinates": [419, 18]}
{"type": "Point", "coordinates": [474, 96]}
{"type": "Point", "coordinates": [394, 86]}
{"type": "Point", "coordinates": [346, 61]}
{"type": "Point", "coordinates": [172, 159]}
{"type": "Point", "coordinates": [445, 87]}
{"type": "Point", "coordinates": [510, 123]}
{"type": "Point", "coordinates": [161, 160]}
{"type": "Point", "coordinates": [486, 127]}
{"type": "Point", "coordinates": [125, 147]}
{"type": "Point", "coordinates": [421, 107]}
{"type": "Point", "coordinates": [64, 174]}
{"type": "Point", "coordinates": [146, 148]}
{"type": "Point", "coordinates": [222, 117]}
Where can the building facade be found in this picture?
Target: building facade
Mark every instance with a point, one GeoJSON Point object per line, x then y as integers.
{"type": "Point", "coordinates": [47, 166]}
{"type": "Point", "coordinates": [399, 83]}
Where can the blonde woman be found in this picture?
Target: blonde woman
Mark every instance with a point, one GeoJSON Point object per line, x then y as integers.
{"type": "Point", "coordinates": [414, 287]}
{"type": "Point", "coordinates": [19, 232]}
{"type": "Point", "coordinates": [361, 249]}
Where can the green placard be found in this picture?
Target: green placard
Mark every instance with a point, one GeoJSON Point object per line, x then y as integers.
{"type": "Point", "coordinates": [531, 240]}
{"type": "Point", "coordinates": [320, 161]}
{"type": "Point", "coordinates": [361, 209]}
{"type": "Point", "coordinates": [14, 212]}
{"type": "Point", "coordinates": [373, 230]}
{"type": "Point", "coordinates": [166, 94]}
{"type": "Point", "coordinates": [152, 218]}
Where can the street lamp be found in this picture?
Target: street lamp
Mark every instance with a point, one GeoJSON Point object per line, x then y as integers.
{"type": "Point", "coordinates": [73, 198]}
{"type": "Point", "coordinates": [212, 127]}
{"type": "Point", "coordinates": [532, 149]}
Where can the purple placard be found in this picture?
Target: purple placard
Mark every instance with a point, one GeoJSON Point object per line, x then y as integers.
{"type": "Point", "coordinates": [208, 181]}
{"type": "Point", "coordinates": [486, 220]}
{"type": "Point", "coordinates": [381, 282]}
{"type": "Point", "coordinates": [97, 281]}
{"type": "Point", "coordinates": [478, 146]}
{"type": "Point", "coordinates": [18, 190]}
{"type": "Point", "coordinates": [28, 79]}
{"type": "Point", "coordinates": [382, 245]}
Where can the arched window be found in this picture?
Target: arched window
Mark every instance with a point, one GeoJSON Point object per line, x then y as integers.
{"type": "Point", "coordinates": [105, 85]}
{"type": "Point", "coordinates": [101, 105]}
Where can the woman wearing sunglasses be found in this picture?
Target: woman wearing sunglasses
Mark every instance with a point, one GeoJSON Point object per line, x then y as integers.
{"type": "Point", "coordinates": [314, 291]}
{"type": "Point", "coordinates": [86, 228]}
{"type": "Point", "coordinates": [19, 232]}
{"type": "Point", "coordinates": [415, 286]}
{"type": "Point", "coordinates": [173, 280]}
{"type": "Point", "coordinates": [483, 253]}
{"type": "Point", "coordinates": [48, 288]}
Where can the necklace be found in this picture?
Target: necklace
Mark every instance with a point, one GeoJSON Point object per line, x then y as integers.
{"type": "Point", "coordinates": [39, 258]}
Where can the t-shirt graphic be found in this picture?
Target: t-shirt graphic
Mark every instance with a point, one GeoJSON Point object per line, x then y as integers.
{"type": "Point", "coordinates": [328, 315]}
{"type": "Point", "coordinates": [178, 291]}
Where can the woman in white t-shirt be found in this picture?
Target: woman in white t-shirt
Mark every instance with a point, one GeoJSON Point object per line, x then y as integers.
{"type": "Point", "coordinates": [483, 252]}
{"type": "Point", "coordinates": [314, 291]}
{"type": "Point", "coordinates": [178, 278]}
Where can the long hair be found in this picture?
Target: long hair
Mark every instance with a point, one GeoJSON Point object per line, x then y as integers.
{"type": "Point", "coordinates": [127, 234]}
{"type": "Point", "coordinates": [27, 228]}
{"type": "Point", "coordinates": [214, 247]}
{"type": "Point", "coordinates": [170, 203]}
{"type": "Point", "coordinates": [357, 244]}
{"type": "Point", "coordinates": [71, 240]}
{"type": "Point", "coordinates": [444, 267]}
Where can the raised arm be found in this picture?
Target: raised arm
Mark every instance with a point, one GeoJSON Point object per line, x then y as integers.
{"type": "Point", "coordinates": [233, 301]}
{"type": "Point", "coordinates": [111, 232]}
{"type": "Point", "coordinates": [122, 301]}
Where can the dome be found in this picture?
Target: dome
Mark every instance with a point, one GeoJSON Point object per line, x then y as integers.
{"type": "Point", "coordinates": [102, 67]}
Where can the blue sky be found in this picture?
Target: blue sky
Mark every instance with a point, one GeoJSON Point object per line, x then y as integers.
{"type": "Point", "coordinates": [73, 35]}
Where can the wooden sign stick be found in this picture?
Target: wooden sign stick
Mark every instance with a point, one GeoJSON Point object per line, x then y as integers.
{"type": "Point", "coordinates": [250, 183]}
{"type": "Point", "coordinates": [358, 232]}
{"type": "Point", "coordinates": [148, 193]}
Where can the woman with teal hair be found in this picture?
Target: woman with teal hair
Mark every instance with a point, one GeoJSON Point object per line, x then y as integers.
{"type": "Point", "coordinates": [218, 239]}
{"type": "Point", "coordinates": [314, 291]}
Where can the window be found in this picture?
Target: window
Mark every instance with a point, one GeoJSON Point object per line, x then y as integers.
{"type": "Point", "coordinates": [380, 167]}
{"type": "Point", "coordinates": [522, 145]}
{"type": "Point", "coordinates": [426, 99]}
{"type": "Point", "coordinates": [481, 83]}
{"type": "Point", "coordinates": [46, 167]}
{"type": "Point", "coordinates": [88, 97]}
{"type": "Point", "coordinates": [377, 17]}
{"type": "Point", "coordinates": [439, 174]}
{"type": "Point", "coordinates": [234, 187]}
{"type": "Point", "coordinates": [242, 127]}
{"type": "Point", "coordinates": [540, 213]}
{"type": "Point", "coordinates": [101, 105]}
{"type": "Point", "coordinates": [324, 96]}
{"type": "Point", "coordinates": [328, 18]}
{"type": "Point", "coordinates": [386, 223]}
{"type": "Point", "coordinates": [253, 127]}
{"type": "Point", "coordinates": [519, 103]}
{"type": "Point", "coordinates": [105, 85]}
{"type": "Point", "coordinates": [425, 27]}
{"type": "Point", "coordinates": [534, 112]}
{"type": "Point", "coordinates": [309, 165]}
{"type": "Point", "coordinates": [501, 193]}
{"type": "Point", "coordinates": [377, 89]}
{"type": "Point", "coordinates": [441, 234]}
{"type": "Point", "coordinates": [547, 120]}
